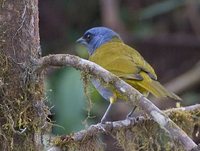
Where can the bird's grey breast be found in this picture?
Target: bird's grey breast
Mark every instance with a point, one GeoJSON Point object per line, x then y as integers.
{"type": "Point", "coordinates": [105, 92]}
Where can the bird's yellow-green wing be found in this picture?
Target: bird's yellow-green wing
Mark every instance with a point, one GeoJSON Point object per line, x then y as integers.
{"type": "Point", "coordinates": [122, 60]}
{"type": "Point", "coordinates": [128, 64]}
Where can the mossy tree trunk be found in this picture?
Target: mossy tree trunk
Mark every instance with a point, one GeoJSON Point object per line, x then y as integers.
{"type": "Point", "coordinates": [22, 111]}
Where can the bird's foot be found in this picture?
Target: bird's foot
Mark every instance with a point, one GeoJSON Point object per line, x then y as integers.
{"type": "Point", "coordinates": [104, 120]}
{"type": "Point", "coordinates": [129, 115]}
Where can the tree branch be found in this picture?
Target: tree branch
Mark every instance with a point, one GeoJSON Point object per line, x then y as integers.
{"type": "Point", "coordinates": [187, 108]}
{"type": "Point", "coordinates": [133, 95]}
{"type": "Point", "coordinates": [185, 81]}
{"type": "Point", "coordinates": [111, 127]}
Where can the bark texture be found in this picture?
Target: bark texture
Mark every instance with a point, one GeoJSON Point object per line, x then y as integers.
{"type": "Point", "coordinates": [21, 90]}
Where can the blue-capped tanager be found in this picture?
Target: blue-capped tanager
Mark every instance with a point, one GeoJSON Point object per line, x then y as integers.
{"type": "Point", "coordinates": [108, 50]}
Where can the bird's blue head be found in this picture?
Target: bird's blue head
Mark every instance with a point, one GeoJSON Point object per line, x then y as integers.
{"type": "Point", "coordinates": [97, 36]}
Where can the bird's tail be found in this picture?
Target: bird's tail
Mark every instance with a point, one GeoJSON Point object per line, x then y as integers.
{"type": "Point", "coordinates": [155, 88]}
{"type": "Point", "coordinates": [159, 91]}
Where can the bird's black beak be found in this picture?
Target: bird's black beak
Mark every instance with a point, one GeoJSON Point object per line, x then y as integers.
{"type": "Point", "coordinates": [81, 41]}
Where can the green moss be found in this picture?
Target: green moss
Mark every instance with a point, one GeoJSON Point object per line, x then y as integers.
{"type": "Point", "coordinates": [22, 110]}
{"type": "Point", "coordinates": [143, 136]}
{"type": "Point", "coordinates": [186, 120]}
{"type": "Point", "coordinates": [2, 2]}
{"type": "Point", "coordinates": [149, 136]}
{"type": "Point", "coordinates": [88, 144]}
{"type": "Point", "coordinates": [85, 76]}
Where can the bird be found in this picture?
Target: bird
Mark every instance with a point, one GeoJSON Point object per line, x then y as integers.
{"type": "Point", "coordinates": [107, 49]}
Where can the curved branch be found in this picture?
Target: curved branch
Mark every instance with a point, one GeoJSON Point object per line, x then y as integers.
{"type": "Point", "coordinates": [156, 114]}
{"type": "Point", "coordinates": [108, 127]}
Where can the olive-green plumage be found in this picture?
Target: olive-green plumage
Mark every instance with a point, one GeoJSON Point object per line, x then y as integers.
{"type": "Point", "coordinates": [106, 48]}
{"type": "Point", "coordinates": [129, 65]}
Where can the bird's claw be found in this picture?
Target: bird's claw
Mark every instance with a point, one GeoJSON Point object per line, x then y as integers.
{"type": "Point", "coordinates": [103, 121]}
{"type": "Point", "coordinates": [129, 115]}
{"type": "Point", "coordinates": [100, 127]}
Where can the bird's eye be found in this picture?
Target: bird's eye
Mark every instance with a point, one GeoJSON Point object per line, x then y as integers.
{"type": "Point", "coordinates": [88, 37]}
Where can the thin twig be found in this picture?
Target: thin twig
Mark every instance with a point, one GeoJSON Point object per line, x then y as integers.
{"type": "Point", "coordinates": [108, 127]}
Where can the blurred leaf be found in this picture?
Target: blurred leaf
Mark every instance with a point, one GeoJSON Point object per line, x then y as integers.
{"type": "Point", "coordinates": [160, 8]}
{"type": "Point", "coordinates": [191, 98]}
{"type": "Point", "coordinates": [68, 98]}
{"type": "Point", "coordinates": [143, 30]}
